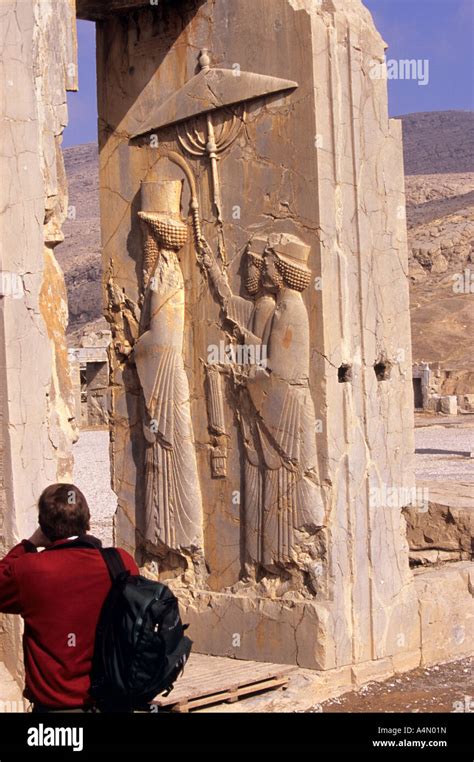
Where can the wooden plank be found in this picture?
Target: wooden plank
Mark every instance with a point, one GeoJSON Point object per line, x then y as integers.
{"type": "Point", "coordinates": [229, 679]}
{"type": "Point", "coordinates": [233, 666]}
{"type": "Point", "coordinates": [208, 683]}
{"type": "Point", "coordinates": [229, 696]}
{"type": "Point", "coordinates": [209, 678]}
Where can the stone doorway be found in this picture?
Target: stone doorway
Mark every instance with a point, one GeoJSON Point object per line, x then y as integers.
{"type": "Point", "coordinates": [418, 393]}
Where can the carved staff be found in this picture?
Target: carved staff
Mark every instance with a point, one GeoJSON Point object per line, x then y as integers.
{"type": "Point", "coordinates": [201, 145]}
{"type": "Point", "coordinates": [216, 418]}
{"type": "Point", "coordinates": [210, 90]}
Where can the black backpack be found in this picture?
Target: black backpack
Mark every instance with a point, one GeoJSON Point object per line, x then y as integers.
{"type": "Point", "coordinates": [140, 647]}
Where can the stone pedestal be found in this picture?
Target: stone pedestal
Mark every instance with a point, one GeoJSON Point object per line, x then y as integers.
{"type": "Point", "coordinates": [293, 171]}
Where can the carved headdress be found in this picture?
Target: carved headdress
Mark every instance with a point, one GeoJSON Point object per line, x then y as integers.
{"type": "Point", "coordinates": [161, 218]}
{"type": "Point", "coordinates": [292, 259]}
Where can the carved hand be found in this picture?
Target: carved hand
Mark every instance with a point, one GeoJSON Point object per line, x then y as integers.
{"type": "Point", "coordinates": [257, 373]}
{"type": "Point", "coordinates": [205, 254]}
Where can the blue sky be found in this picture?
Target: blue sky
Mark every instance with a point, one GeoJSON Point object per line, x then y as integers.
{"type": "Point", "coordinates": [440, 31]}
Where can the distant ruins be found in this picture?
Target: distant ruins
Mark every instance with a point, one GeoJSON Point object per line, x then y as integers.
{"type": "Point", "coordinates": [89, 368]}
{"type": "Point", "coordinates": [433, 386]}
{"type": "Point", "coordinates": [260, 396]}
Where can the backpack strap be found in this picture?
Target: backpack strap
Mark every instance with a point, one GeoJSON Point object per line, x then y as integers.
{"type": "Point", "coordinates": [114, 562]}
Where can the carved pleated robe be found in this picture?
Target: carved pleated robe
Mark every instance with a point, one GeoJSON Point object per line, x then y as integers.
{"type": "Point", "coordinates": [173, 493]}
{"type": "Point", "coordinates": [283, 496]}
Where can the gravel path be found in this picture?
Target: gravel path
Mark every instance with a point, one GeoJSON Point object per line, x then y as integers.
{"type": "Point", "coordinates": [442, 453]}
{"type": "Point", "coordinates": [92, 476]}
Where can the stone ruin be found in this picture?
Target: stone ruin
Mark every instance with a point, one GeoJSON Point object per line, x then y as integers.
{"type": "Point", "coordinates": [89, 367]}
{"type": "Point", "coordinates": [37, 417]}
{"type": "Point", "coordinates": [255, 282]}
{"type": "Point", "coordinates": [441, 389]}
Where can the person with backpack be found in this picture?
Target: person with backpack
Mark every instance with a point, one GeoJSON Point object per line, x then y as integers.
{"type": "Point", "coordinates": [97, 635]}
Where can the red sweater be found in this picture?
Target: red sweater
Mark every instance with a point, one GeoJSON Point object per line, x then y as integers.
{"type": "Point", "coordinates": [59, 594]}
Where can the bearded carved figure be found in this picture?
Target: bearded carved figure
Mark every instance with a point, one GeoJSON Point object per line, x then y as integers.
{"type": "Point", "coordinates": [283, 502]}
{"type": "Point", "coordinates": [283, 426]}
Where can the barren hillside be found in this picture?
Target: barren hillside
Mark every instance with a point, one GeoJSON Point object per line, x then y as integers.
{"type": "Point", "coordinates": [79, 255]}
{"type": "Point", "coordinates": [439, 172]}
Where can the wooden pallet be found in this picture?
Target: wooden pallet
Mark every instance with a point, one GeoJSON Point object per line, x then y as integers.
{"type": "Point", "coordinates": [213, 680]}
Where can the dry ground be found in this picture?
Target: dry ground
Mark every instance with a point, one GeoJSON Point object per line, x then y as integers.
{"type": "Point", "coordinates": [443, 688]}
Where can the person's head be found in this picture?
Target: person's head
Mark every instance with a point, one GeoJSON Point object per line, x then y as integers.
{"type": "Point", "coordinates": [63, 512]}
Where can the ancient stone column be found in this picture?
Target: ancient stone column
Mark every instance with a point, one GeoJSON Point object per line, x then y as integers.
{"type": "Point", "coordinates": [299, 366]}
{"type": "Point", "coordinates": [36, 401]}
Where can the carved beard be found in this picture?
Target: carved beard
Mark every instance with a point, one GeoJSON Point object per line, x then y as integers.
{"type": "Point", "coordinates": [252, 284]}
{"type": "Point", "coordinates": [169, 234]}
{"type": "Point", "coordinates": [277, 279]}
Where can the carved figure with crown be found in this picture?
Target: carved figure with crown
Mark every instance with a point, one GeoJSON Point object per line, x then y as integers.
{"type": "Point", "coordinates": [172, 490]}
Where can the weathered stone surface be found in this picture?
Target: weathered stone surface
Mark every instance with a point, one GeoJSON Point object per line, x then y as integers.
{"type": "Point", "coordinates": [308, 688]}
{"type": "Point", "coordinates": [466, 402]}
{"type": "Point", "coordinates": [372, 670]}
{"type": "Point", "coordinates": [440, 216]}
{"type": "Point", "coordinates": [37, 425]}
{"type": "Point", "coordinates": [433, 403]}
{"type": "Point", "coordinates": [449, 405]}
{"type": "Point", "coordinates": [446, 612]}
{"type": "Point", "coordinates": [266, 488]}
{"type": "Point", "coordinates": [444, 529]}
{"type": "Point", "coordinates": [315, 178]}
{"type": "Point", "coordinates": [100, 9]}
{"type": "Point", "coordinates": [288, 632]}
{"type": "Point", "coordinates": [11, 699]}
{"type": "Point", "coordinates": [406, 660]}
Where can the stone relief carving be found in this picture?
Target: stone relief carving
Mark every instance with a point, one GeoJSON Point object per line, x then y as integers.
{"type": "Point", "coordinates": [173, 501]}
{"type": "Point", "coordinates": [271, 396]}
{"type": "Point", "coordinates": [193, 110]}
{"type": "Point", "coordinates": [216, 417]}
{"type": "Point", "coordinates": [274, 404]}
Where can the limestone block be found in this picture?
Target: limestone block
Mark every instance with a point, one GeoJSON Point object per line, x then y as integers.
{"type": "Point", "coordinates": [466, 402]}
{"type": "Point", "coordinates": [448, 524]}
{"type": "Point", "coordinates": [449, 405]}
{"type": "Point", "coordinates": [371, 671]}
{"type": "Point", "coordinates": [429, 557]}
{"type": "Point", "coordinates": [36, 398]}
{"type": "Point", "coordinates": [434, 403]}
{"type": "Point", "coordinates": [446, 609]}
{"type": "Point", "coordinates": [302, 253]}
{"type": "Point", "coordinates": [285, 632]}
{"type": "Point", "coordinates": [406, 661]}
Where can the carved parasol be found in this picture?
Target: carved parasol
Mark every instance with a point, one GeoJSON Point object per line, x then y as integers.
{"type": "Point", "coordinates": [209, 90]}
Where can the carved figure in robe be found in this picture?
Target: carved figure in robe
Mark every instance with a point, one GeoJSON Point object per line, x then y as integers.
{"type": "Point", "coordinates": [172, 489]}
{"type": "Point", "coordinates": [275, 407]}
{"type": "Point", "coordinates": [284, 424]}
